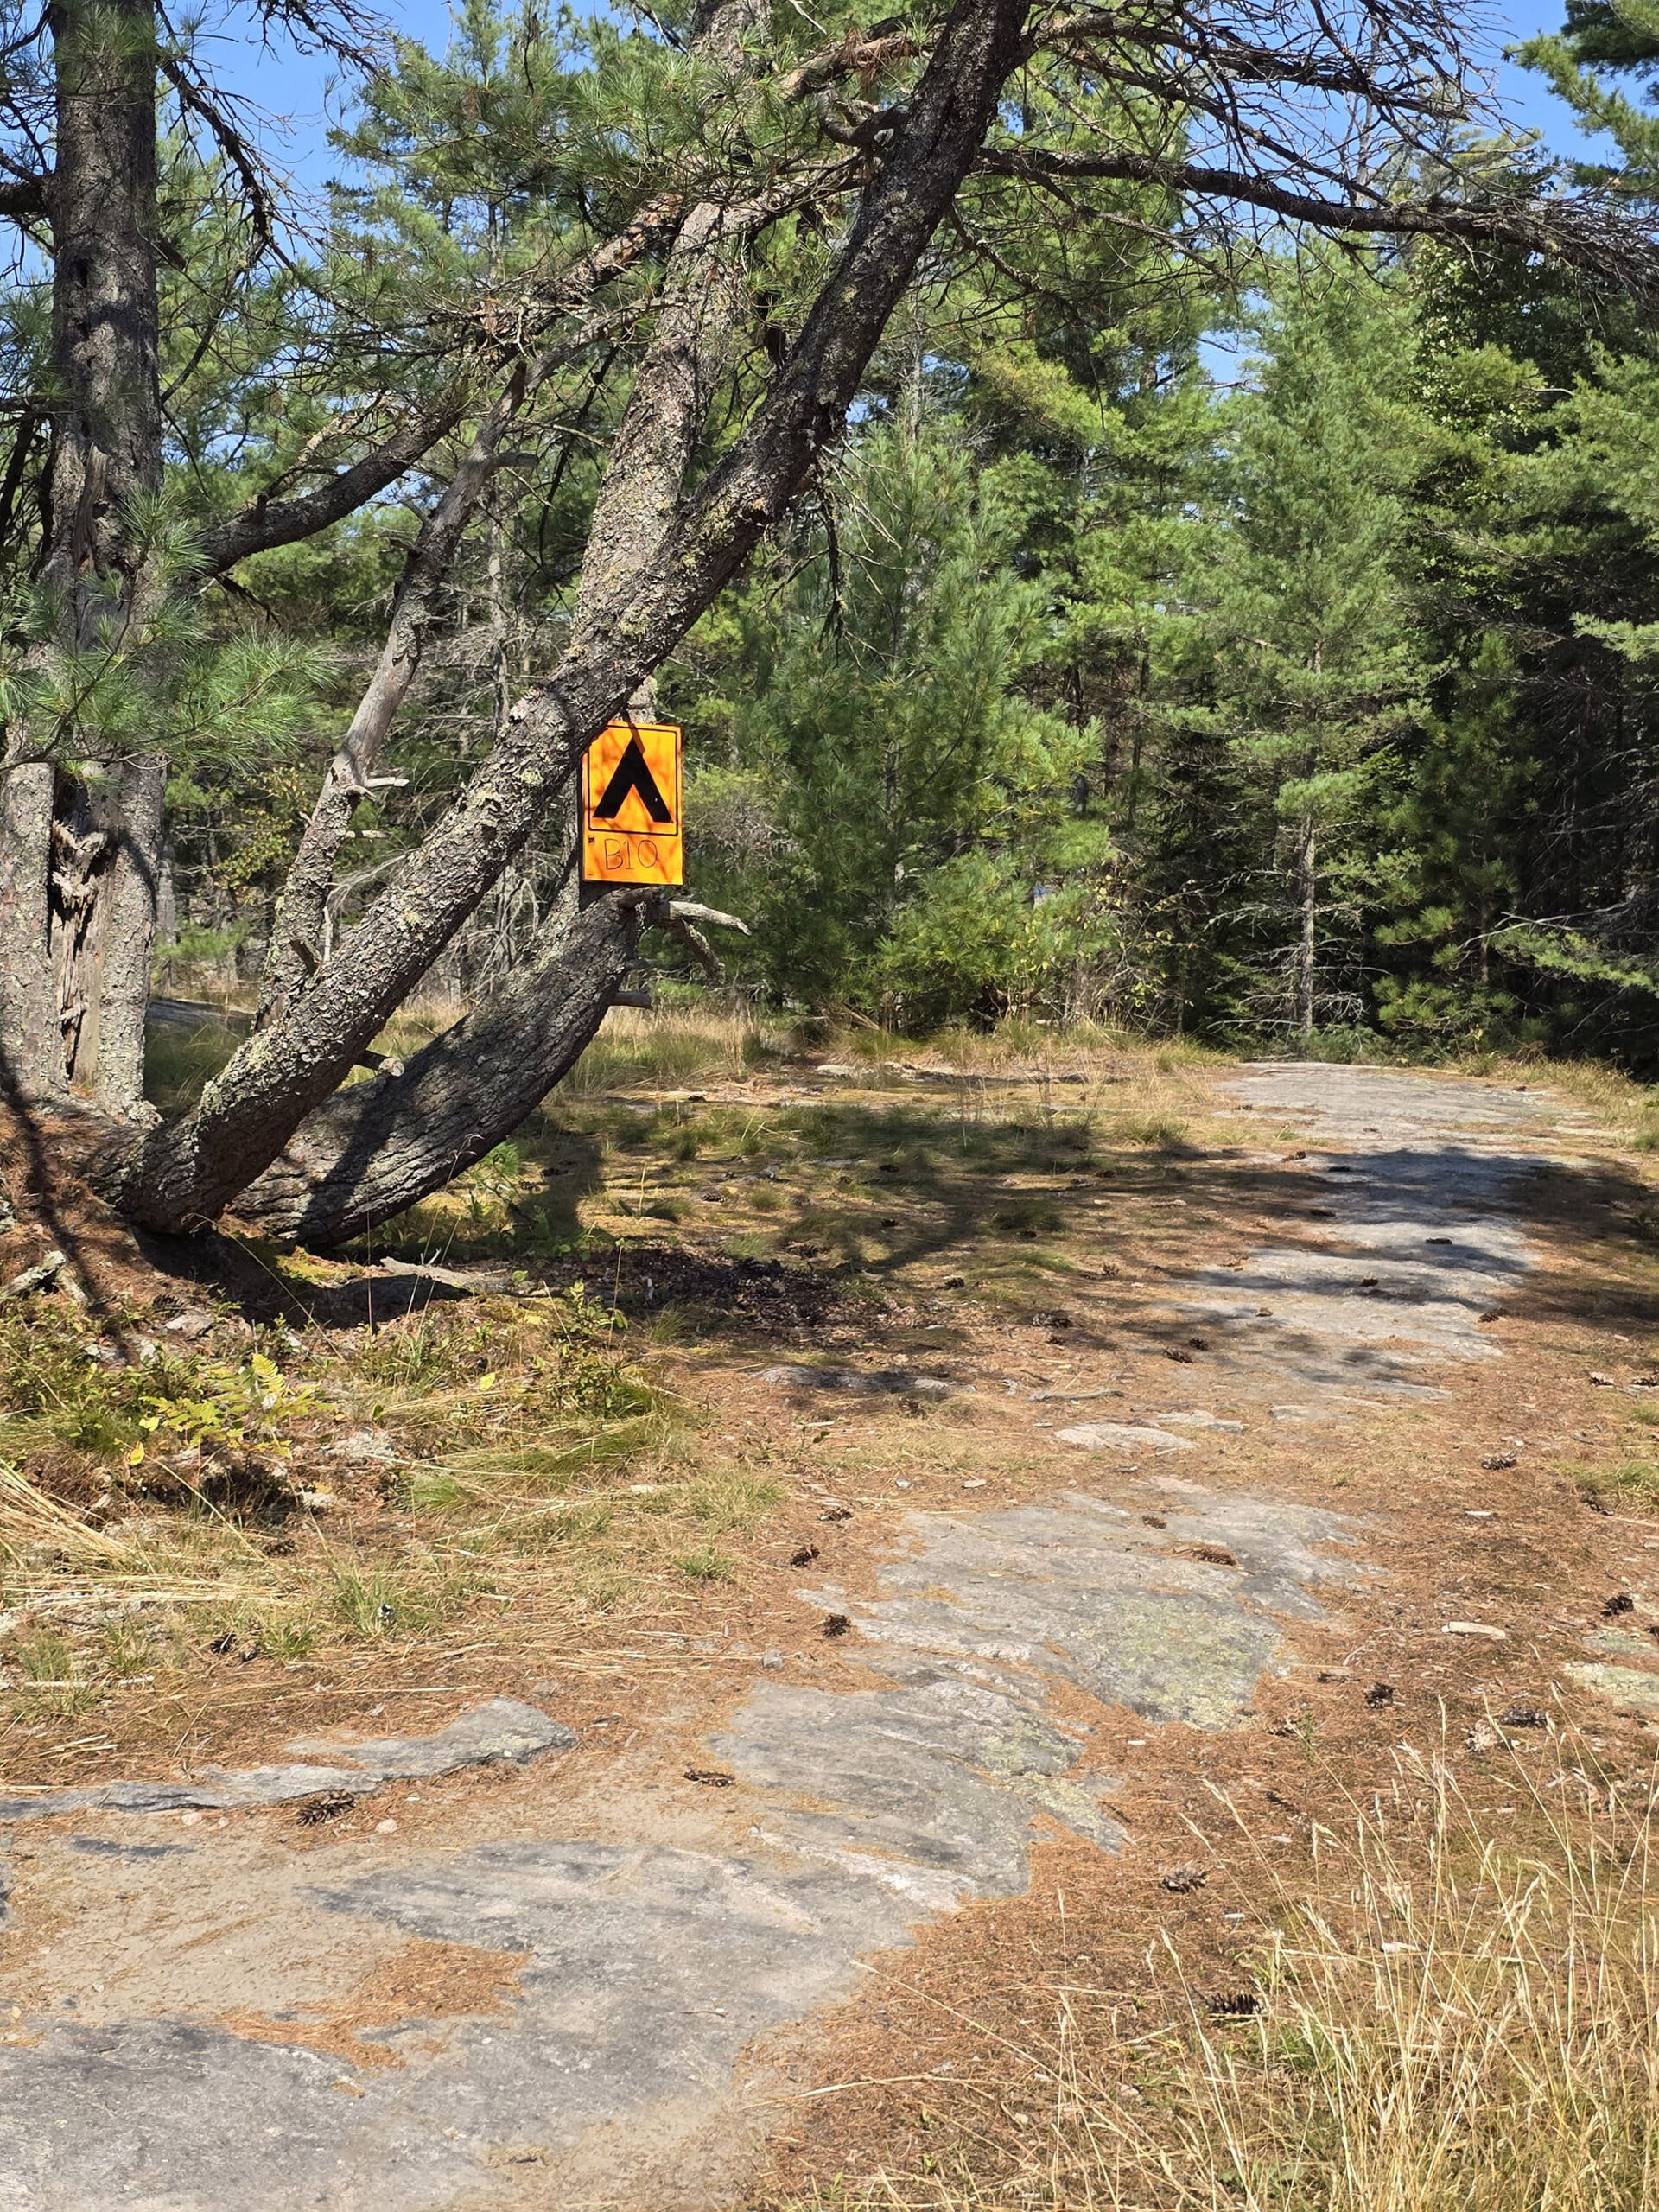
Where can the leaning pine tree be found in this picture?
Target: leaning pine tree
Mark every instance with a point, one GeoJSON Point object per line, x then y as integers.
{"type": "Point", "coordinates": [739, 215]}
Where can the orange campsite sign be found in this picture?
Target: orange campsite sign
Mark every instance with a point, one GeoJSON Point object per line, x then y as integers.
{"type": "Point", "coordinates": [632, 830]}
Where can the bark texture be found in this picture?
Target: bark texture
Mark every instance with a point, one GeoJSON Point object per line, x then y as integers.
{"type": "Point", "coordinates": [106, 416]}
{"type": "Point", "coordinates": [375, 1147]}
{"type": "Point", "coordinates": [77, 900]}
{"type": "Point", "coordinates": [131, 894]}
{"type": "Point", "coordinates": [187, 1172]}
{"type": "Point", "coordinates": [31, 1047]}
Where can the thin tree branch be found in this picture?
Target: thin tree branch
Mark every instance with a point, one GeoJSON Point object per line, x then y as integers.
{"type": "Point", "coordinates": [1580, 231]}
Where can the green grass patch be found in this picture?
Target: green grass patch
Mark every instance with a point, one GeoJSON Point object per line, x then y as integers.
{"type": "Point", "coordinates": [705, 1564]}
{"type": "Point", "coordinates": [1632, 1487]}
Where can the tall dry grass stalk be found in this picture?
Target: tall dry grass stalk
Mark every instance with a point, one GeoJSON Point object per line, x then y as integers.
{"type": "Point", "coordinates": [1450, 2019]}
{"type": "Point", "coordinates": [713, 1040]}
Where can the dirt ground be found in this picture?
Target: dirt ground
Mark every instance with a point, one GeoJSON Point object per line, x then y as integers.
{"type": "Point", "coordinates": [953, 1269]}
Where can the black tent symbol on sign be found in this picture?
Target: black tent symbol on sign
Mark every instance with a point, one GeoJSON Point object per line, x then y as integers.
{"type": "Point", "coordinates": [631, 774]}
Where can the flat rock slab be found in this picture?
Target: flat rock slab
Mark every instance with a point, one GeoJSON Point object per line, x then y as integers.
{"type": "Point", "coordinates": [1362, 1102]}
{"type": "Point", "coordinates": [502, 1729]}
{"type": "Point", "coordinates": [641, 1970]}
{"type": "Point", "coordinates": [1122, 1436]}
{"type": "Point", "coordinates": [1627, 1686]}
{"type": "Point", "coordinates": [643, 1973]}
{"type": "Point", "coordinates": [1420, 1240]}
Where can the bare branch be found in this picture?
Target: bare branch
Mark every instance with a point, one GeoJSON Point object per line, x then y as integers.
{"type": "Point", "coordinates": [1581, 230]}
{"type": "Point", "coordinates": [285, 522]}
{"type": "Point", "coordinates": [195, 99]}
{"type": "Point", "coordinates": [688, 909]}
{"type": "Point", "coordinates": [864, 59]}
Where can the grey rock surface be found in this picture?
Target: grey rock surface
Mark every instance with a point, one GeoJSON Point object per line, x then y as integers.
{"type": "Point", "coordinates": [1422, 1239]}
{"type": "Point", "coordinates": [644, 1968]}
{"type": "Point", "coordinates": [1628, 1687]}
{"type": "Point", "coordinates": [501, 1729]}
{"type": "Point", "coordinates": [1122, 1436]}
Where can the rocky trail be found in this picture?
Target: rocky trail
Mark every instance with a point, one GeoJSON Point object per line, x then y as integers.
{"type": "Point", "coordinates": [554, 1970]}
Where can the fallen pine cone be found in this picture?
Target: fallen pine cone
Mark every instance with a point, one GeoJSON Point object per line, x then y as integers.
{"type": "Point", "coordinates": [1182, 1879]}
{"type": "Point", "coordinates": [328, 1807]}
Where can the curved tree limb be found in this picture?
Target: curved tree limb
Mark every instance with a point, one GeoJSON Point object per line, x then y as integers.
{"type": "Point", "coordinates": [376, 1147]}
{"type": "Point", "coordinates": [268, 524]}
{"type": "Point", "coordinates": [1579, 230]}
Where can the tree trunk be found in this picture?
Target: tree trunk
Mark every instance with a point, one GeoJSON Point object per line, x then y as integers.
{"type": "Point", "coordinates": [31, 1045]}
{"type": "Point", "coordinates": [185, 1174]}
{"type": "Point", "coordinates": [377, 1147]}
{"type": "Point", "coordinates": [1307, 947]}
{"type": "Point", "coordinates": [77, 893]}
{"type": "Point", "coordinates": [106, 418]}
{"type": "Point", "coordinates": [131, 896]}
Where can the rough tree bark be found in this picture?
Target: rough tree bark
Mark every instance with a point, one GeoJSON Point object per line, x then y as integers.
{"type": "Point", "coordinates": [1307, 945]}
{"type": "Point", "coordinates": [78, 877]}
{"type": "Point", "coordinates": [371, 1149]}
{"type": "Point", "coordinates": [31, 1046]}
{"type": "Point", "coordinates": [183, 1174]}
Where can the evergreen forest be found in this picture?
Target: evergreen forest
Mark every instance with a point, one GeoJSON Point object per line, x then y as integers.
{"type": "Point", "coordinates": [1250, 644]}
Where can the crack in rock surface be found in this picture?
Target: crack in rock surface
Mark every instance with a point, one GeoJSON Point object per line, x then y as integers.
{"type": "Point", "coordinates": [652, 1939]}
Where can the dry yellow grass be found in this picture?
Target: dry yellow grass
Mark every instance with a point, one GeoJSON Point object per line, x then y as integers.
{"type": "Point", "coordinates": [1451, 2018]}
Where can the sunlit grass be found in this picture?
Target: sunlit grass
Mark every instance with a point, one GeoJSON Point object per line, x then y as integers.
{"type": "Point", "coordinates": [1453, 2014]}
{"type": "Point", "coordinates": [1630, 1487]}
{"type": "Point", "coordinates": [666, 1049]}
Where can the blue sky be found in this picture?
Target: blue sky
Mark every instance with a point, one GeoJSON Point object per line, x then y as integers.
{"type": "Point", "coordinates": [293, 89]}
